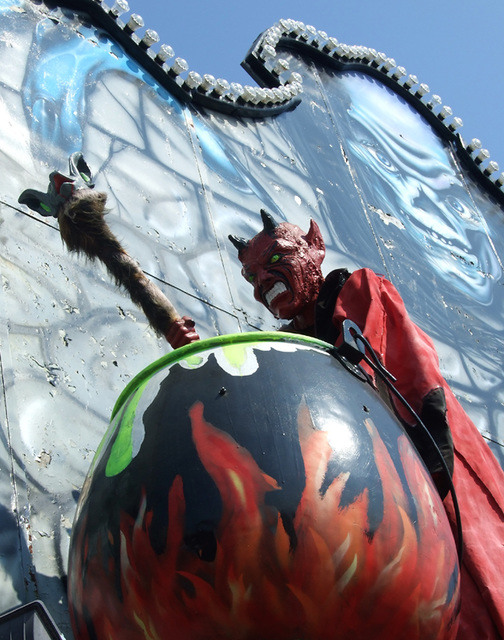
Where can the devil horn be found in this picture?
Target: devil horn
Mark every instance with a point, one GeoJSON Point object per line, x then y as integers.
{"type": "Point", "coordinates": [239, 243]}
{"type": "Point", "coordinates": [268, 222]}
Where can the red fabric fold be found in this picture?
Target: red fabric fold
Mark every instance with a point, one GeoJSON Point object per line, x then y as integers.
{"type": "Point", "coordinates": [374, 304]}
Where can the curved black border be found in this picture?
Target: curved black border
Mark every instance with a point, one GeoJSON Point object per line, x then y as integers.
{"type": "Point", "coordinates": [292, 36]}
{"type": "Point", "coordinates": [376, 69]}
{"type": "Point", "coordinates": [99, 15]}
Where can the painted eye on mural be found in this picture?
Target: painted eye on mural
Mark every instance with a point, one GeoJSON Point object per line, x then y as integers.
{"type": "Point", "coordinates": [383, 160]}
{"type": "Point", "coordinates": [275, 258]}
{"type": "Point", "coordinates": [380, 156]}
{"type": "Point", "coordinates": [461, 209]}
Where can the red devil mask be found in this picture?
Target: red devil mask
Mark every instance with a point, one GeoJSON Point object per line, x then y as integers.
{"type": "Point", "coordinates": [282, 263]}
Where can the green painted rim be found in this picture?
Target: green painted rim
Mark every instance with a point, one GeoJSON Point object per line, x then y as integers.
{"type": "Point", "coordinates": [209, 343]}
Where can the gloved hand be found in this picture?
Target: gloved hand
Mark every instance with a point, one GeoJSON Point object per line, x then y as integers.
{"type": "Point", "coordinates": [182, 332]}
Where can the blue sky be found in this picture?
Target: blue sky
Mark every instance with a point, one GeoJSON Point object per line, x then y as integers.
{"type": "Point", "coordinates": [455, 46]}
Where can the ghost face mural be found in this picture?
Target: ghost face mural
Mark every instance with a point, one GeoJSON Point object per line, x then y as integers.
{"type": "Point", "coordinates": [410, 178]}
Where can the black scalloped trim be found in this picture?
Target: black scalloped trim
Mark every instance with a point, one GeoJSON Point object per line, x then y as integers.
{"type": "Point", "coordinates": [263, 76]}
{"type": "Point", "coordinates": [100, 17]}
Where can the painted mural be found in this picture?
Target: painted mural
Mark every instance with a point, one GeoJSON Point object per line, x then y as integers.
{"type": "Point", "coordinates": [374, 161]}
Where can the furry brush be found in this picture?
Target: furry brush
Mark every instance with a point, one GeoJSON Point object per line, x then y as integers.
{"type": "Point", "coordinates": [84, 231]}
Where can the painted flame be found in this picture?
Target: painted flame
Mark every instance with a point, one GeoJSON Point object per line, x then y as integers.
{"type": "Point", "coordinates": [336, 582]}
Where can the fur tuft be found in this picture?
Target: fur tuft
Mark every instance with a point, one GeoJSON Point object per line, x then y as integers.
{"type": "Point", "coordinates": [83, 227]}
{"type": "Point", "coordinates": [84, 230]}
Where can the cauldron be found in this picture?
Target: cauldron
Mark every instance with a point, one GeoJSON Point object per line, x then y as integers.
{"type": "Point", "coordinates": [250, 487]}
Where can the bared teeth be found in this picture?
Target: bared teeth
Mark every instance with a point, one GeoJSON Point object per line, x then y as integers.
{"type": "Point", "coordinates": [275, 290]}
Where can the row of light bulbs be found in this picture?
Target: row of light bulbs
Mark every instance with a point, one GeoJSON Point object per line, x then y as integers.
{"type": "Point", "coordinates": [308, 34]}
{"type": "Point", "coordinates": [192, 81]}
{"type": "Point", "coordinates": [290, 84]}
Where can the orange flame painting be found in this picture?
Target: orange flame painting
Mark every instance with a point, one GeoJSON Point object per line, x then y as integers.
{"type": "Point", "coordinates": [328, 576]}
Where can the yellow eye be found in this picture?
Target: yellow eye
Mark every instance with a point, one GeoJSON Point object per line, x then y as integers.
{"type": "Point", "coordinates": [274, 258]}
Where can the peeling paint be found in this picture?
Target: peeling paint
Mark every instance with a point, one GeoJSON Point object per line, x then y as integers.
{"type": "Point", "coordinates": [387, 218]}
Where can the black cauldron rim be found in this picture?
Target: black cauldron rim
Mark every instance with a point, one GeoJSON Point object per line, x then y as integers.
{"type": "Point", "coordinates": [252, 337]}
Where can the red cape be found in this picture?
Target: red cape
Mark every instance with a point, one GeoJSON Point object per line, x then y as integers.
{"type": "Point", "coordinates": [408, 353]}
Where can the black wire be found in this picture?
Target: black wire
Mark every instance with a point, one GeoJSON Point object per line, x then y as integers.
{"type": "Point", "coordinates": [387, 377]}
{"type": "Point", "coordinates": [149, 275]}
